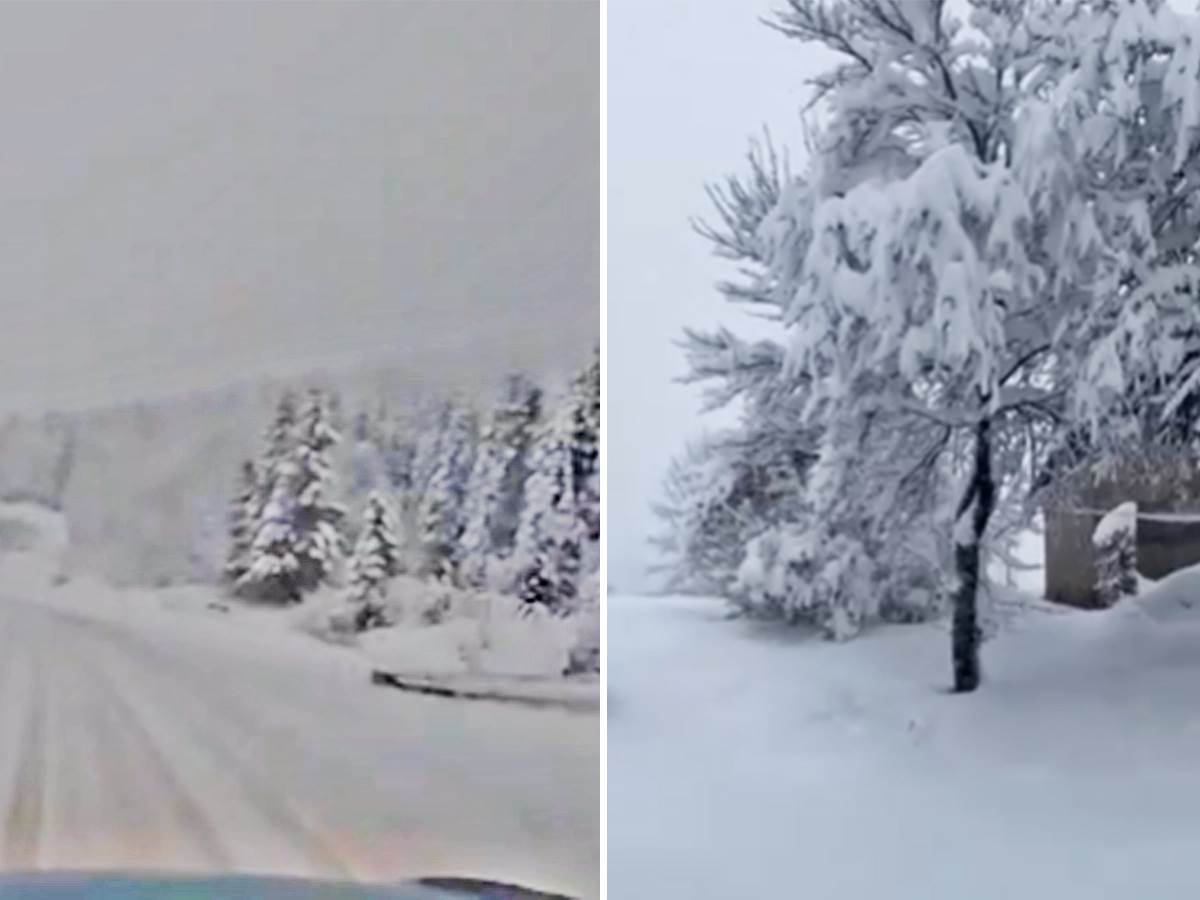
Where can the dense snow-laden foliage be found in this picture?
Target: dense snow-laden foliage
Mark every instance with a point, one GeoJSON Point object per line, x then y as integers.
{"type": "Point", "coordinates": [298, 542]}
{"type": "Point", "coordinates": [444, 498]}
{"type": "Point", "coordinates": [279, 444]}
{"type": "Point", "coordinates": [244, 511]}
{"type": "Point", "coordinates": [557, 542]}
{"type": "Point", "coordinates": [700, 542]}
{"type": "Point", "coordinates": [585, 460]}
{"type": "Point", "coordinates": [375, 562]}
{"type": "Point", "coordinates": [318, 514]}
{"type": "Point", "coordinates": [493, 503]}
{"type": "Point", "coordinates": [988, 203]}
{"type": "Point", "coordinates": [547, 554]}
{"type": "Point", "coordinates": [1118, 142]}
{"type": "Point", "coordinates": [273, 570]}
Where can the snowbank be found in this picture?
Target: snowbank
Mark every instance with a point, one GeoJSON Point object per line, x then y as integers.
{"type": "Point", "coordinates": [751, 761]}
{"type": "Point", "coordinates": [439, 632]}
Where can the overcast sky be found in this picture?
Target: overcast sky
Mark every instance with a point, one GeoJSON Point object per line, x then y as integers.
{"type": "Point", "coordinates": [689, 84]}
{"type": "Point", "coordinates": [190, 193]}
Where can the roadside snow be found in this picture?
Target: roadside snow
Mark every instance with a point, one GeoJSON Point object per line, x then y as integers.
{"type": "Point", "coordinates": [439, 632]}
{"type": "Point", "coordinates": [749, 761]}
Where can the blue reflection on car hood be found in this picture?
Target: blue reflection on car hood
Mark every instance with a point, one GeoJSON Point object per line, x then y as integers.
{"type": "Point", "coordinates": [55, 886]}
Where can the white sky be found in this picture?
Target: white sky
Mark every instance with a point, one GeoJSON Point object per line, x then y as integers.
{"type": "Point", "coordinates": [689, 84]}
{"type": "Point", "coordinates": [192, 193]}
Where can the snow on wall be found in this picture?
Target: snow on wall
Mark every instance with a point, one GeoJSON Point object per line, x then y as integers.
{"type": "Point", "coordinates": [1122, 518]}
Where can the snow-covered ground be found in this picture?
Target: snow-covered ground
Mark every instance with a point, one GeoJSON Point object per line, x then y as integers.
{"type": "Point", "coordinates": [150, 730]}
{"type": "Point", "coordinates": [749, 761]}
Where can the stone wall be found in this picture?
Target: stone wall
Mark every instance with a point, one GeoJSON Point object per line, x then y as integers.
{"type": "Point", "coordinates": [1159, 483]}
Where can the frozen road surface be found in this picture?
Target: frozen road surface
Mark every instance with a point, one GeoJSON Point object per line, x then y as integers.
{"type": "Point", "coordinates": [163, 741]}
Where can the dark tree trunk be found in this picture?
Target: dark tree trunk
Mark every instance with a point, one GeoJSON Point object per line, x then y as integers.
{"type": "Point", "coordinates": [977, 502]}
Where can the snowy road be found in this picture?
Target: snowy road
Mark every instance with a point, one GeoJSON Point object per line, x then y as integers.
{"type": "Point", "coordinates": [159, 742]}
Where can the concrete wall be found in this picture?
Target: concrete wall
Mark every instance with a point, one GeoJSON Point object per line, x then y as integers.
{"type": "Point", "coordinates": [1157, 483]}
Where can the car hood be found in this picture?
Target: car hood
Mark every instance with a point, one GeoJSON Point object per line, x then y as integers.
{"type": "Point", "coordinates": [109, 886]}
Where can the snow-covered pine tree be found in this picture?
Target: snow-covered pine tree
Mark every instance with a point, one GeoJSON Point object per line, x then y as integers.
{"type": "Point", "coordinates": [493, 504]}
{"type": "Point", "coordinates": [273, 573]}
{"type": "Point", "coordinates": [547, 553]}
{"type": "Point", "coordinates": [279, 442]}
{"type": "Point", "coordinates": [585, 460]}
{"type": "Point", "coordinates": [243, 517]}
{"type": "Point", "coordinates": [319, 517]}
{"type": "Point", "coordinates": [264, 570]}
{"type": "Point", "coordinates": [442, 504]}
{"type": "Point", "coordinates": [680, 509]}
{"type": "Point", "coordinates": [376, 560]}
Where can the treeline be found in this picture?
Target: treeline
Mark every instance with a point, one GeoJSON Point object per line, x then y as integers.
{"type": "Point", "coordinates": [505, 499]}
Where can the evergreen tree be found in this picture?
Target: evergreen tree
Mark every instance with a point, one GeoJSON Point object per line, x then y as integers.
{"type": "Point", "coordinates": [279, 442]}
{"type": "Point", "coordinates": [318, 517]}
{"type": "Point", "coordinates": [493, 505]}
{"type": "Point", "coordinates": [376, 560]}
{"type": "Point", "coordinates": [265, 572]}
{"type": "Point", "coordinates": [243, 517]}
{"type": "Point", "coordinates": [273, 573]}
{"type": "Point", "coordinates": [442, 505]}
{"type": "Point", "coordinates": [550, 534]}
{"type": "Point", "coordinates": [296, 536]}
{"type": "Point", "coordinates": [585, 459]}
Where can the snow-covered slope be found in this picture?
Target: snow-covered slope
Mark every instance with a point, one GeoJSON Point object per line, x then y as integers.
{"type": "Point", "coordinates": [756, 762]}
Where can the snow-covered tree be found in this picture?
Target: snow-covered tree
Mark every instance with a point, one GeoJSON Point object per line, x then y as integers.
{"type": "Point", "coordinates": [585, 459]}
{"type": "Point", "coordinates": [279, 442]}
{"type": "Point", "coordinates": [318, 515]}
{"type": "Point", "coordinates": [443, 501]}
{"type": "Point", "coordinates": [493, 503]}
{"type": "Point", "coordinates": [273, 571]}
{"type": "Point", "coordinates": [375, 562]}
{"type": "Point", "coordinates": [935, 268]}
{"type": "Point", "coordinates": [1115, 544]}
{"type": "Point", "coordinates": [1129, 131]}
{"type": "Point", "coordinates": [267, 569]}
{"type": "Point", "coordinates": [297, 539]}
{"type": "Point", "coordinates": [547, 553]}
{"type": "Point", "coordinates": [242, 521]}
{"type": "Point", "coordinates": [687, 535]}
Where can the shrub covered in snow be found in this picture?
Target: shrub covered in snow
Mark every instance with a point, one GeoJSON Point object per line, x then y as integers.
{"type": "Point", "coordinates": [1115, 543]}
{"type": "Point", "coordinates": [804, 575]}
